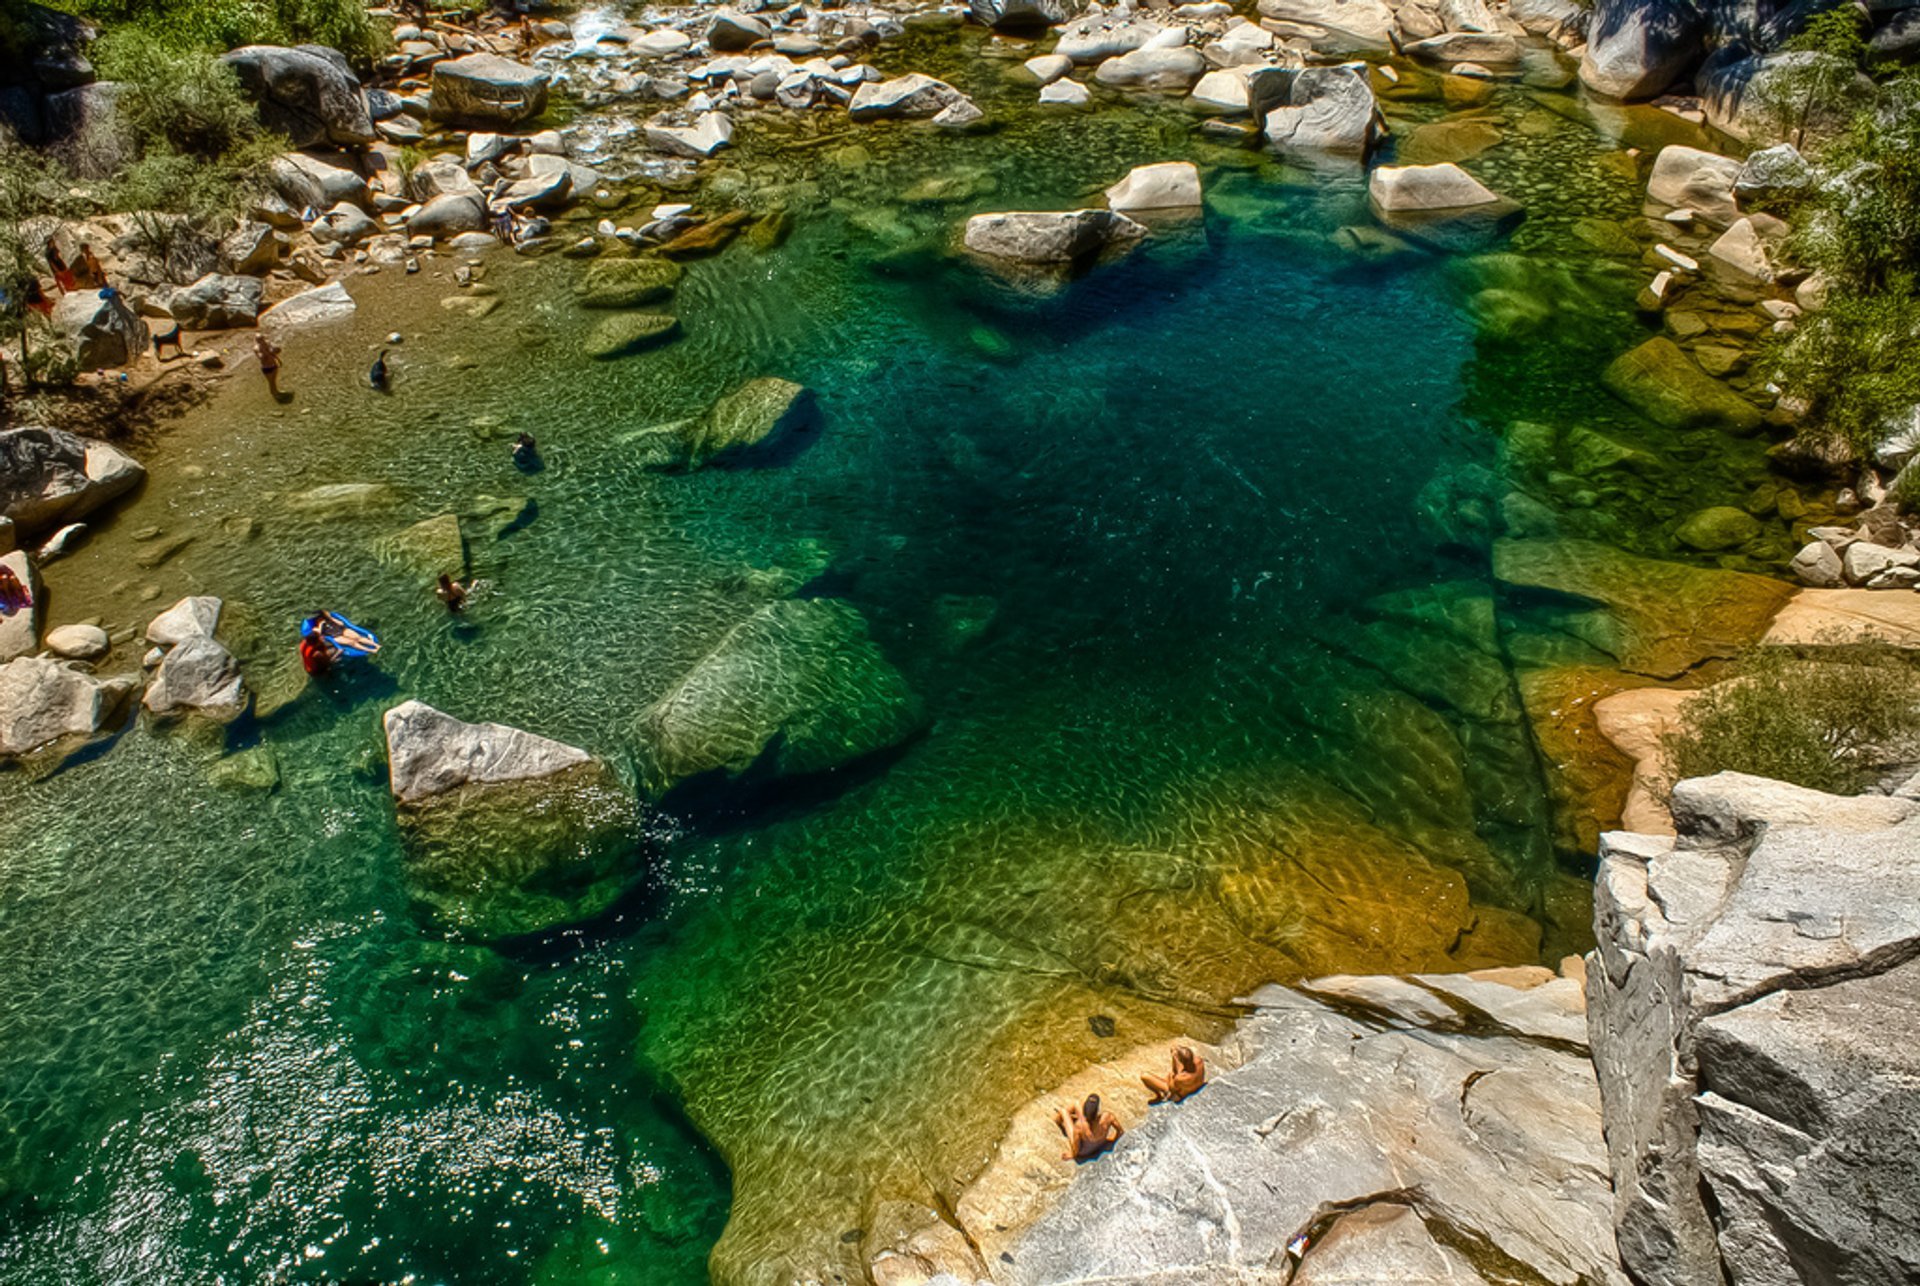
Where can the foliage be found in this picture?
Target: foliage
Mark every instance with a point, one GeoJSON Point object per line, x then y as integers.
{"type": "Point", "coordinates": [32, 197]}
{"type": "Point", "coordinates": [1829, 718]}
{"type": "Point", "coordinates": [1817, 86]}
{"type": "Point", "coordinates": [219, 25]}
{"type": "Point", "coordinates": [1855, 363]}
{"type": "Point", "coordinates": [187, 101]}
{"type": "Point", "coordinates": [405, 162]}
{"type": "Point", "coordinates": [1904, 493]}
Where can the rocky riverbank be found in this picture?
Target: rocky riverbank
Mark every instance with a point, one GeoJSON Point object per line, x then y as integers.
{"type": "Point", "coordinates": [638, 147]}
{"type": "Point", "coordinates": [1731, 1096]}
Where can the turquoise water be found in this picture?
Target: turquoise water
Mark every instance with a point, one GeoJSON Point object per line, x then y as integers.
{"type": "Point", "coordinates": [1223, 722]}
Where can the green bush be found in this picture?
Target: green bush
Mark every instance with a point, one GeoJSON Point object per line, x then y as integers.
{"type": "Point", "coordinates": [187, 102]}
{"type": "Point", "coordinates": [1855, 362]}
{"type": "Point", "coordinates": [1830, 718]}
{"type": "Point", "coordinates": [219, 25]}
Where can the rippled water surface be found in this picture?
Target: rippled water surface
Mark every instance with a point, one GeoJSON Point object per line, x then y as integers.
{"type": "Point", "coordinates": [1212, 698]}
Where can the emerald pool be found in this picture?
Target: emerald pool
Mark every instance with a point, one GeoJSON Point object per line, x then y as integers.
{"type": "Point", "coordinates": [1219, 689]}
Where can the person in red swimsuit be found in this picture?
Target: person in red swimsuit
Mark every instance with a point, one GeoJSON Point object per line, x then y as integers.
{"type": "Point", "coordinates": [318, 653]}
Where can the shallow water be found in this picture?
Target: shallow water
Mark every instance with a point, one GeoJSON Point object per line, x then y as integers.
{"type": "Point", "coordinates": [1223, 723]}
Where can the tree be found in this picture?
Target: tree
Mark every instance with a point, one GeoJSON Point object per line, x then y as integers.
{"type": "Point", "coordinates": [1815, 79]}
{"type": "Point", "coordinates": [30, 196]}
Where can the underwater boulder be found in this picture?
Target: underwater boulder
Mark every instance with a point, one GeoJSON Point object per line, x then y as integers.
{"type": "Point", "coordinates": [799, 684]}
{"type": "Point", "coordinates": [627, 283]}
{"type": "Point", "coordinates": [629, 333]}
{"type": "Point", "coordinates": [507, 832]}
{"type": "Point", "coordinates": [759, 413]}
{"type": "Point", "coordinates": [1661, 382]}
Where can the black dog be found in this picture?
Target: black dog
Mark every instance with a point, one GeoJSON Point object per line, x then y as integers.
{"type": "Point", "coordinates": [171, 337]}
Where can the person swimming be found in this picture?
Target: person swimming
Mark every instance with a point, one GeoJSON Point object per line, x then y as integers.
{"type": "Point", "coordinates": [452, 592]}
{"type": "Point", "coordinates": [526, 453]}
{"type": "Point", "coordinates": [1187, 1073]}
{"type": "Point", "coordinates": [1089, 1131]}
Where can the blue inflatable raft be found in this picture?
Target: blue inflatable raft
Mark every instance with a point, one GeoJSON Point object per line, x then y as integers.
{"type": "Point", "coordinates": [352, 641]}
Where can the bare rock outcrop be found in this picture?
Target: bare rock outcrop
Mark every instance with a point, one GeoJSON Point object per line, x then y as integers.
{"type": "Point", "coordinates": [1753, 1014]}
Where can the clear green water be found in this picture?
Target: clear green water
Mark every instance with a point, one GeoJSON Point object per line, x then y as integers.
{"type": "Point", "coordinates": [1217, 730]}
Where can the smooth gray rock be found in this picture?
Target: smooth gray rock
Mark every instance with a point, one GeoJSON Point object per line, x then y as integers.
{"type": "Point", "coordinates": [252, 249]}
{"type": "Point", "coordinates": [1370, 21]}
{"type": "Point", "coordinates": [78, 642]}
{"type": "Point", "coordinates": [909, 97]}
{"type": "Point", "coordinates": [485, 89]}
{"type": "Point", "coordinates": [309, 94]}
{"type": "Point", "coordinates": [1743, 969]}
{"type": "Point", "coordinates": [1772, 173]}
{"type": "Point", "coordinates": [1640, 48]}
{"type": "Point", "coordinates": [1328, 112]}
{"type": "Point", "coordinates": [729, 31]}
{"type": "Point", "coordinates": [1493, 1136]}
{"type": "Point", "coordinates": [198, 677]}
{"type": "Point", "coordinates": [194, 617]}
{"type": "Point", "coordinates": [84, 129]}
{"type": "Point", "coordinates": [100, 328]}
{"type": "Point", "coordinates": [1818, 564]}
{"type": "Point", "coordinates": [1166, 70]}
{"type": "Point", "coordinates": [1170, 185]}
{"type": "Point", "coordinates": [430, 753]}
{"type": "Point", "coordinates": [1100, 36]}
{"type": "Point", "coordinates": [42, 702]}
{"type": "Point", "coordinates": [449, 215]}
{"type": "Point", "coordinates": [1049, 236]}
{"type": "Point", "coordinates": [799, 682]}
{"type": "Point", "coordinates": [50, 477]}
{"type": "Point", "coordinates": [1688, 178]}
{"type": "Point", "coordinates": [709, 132]}
{"type": "Point", "coordinates": [1021, 15]}
{"type": "Point", "coordinates": [327, 303]}
{"type": "Point", "coordinates": [20, 628]}
{"type": "Point", "coordinates": [344, 224]}
{"type": "Point", "coordinates": [309, 183]}
{"type": "Point", "coordinates": [218, 302]}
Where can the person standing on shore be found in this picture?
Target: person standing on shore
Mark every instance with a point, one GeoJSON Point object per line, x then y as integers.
{"type": "Point", "coordinates": [91, 274]}
{"type": "Point", "coordinates": [62, 275]}
{"type": "Point", "coordinates": [269, 362]}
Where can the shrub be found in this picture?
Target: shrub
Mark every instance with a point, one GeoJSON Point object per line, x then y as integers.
{"type": "Point", "coordinates": [188, 102]}
{"type": "Point", "coordinates": [1817, 89]}
{"type": "Point", "coordinates": [1854, 363]}
{"type": "Point", "coordinates": [1829, 719]}
{"type": "Point", "coordinates": [218, 25]}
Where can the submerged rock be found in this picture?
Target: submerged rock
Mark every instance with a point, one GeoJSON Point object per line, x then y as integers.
{"type": "Point", "coordinates": [43, 702]}
{"type": "Point", "coordinates": [428, 547]}
{"type": "Point", "coordinates": [50, 477]}
{"type": "Point", "coordinates": [1660, 381]}
{"type": "Point", "coordinates": [799, 684]}
{"type": "Point", "coordinates": [629, 333]}
{"type": "Point", "coordinates": [627, 283]}
{"type": "Point", "coordinates": [757, 412]}
{"type": "Point", "coordinates": [1661, 618]}
{"type": "Point", "coordinates": [508, 833]}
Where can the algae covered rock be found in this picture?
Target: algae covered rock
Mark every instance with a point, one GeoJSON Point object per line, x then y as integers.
{"type": "Point", "coordinates": [507, 832]}
{"type": "Point", "coordinates": [757, 414]}
{"type": "Point", "coordinates": [1660, 618]}
{"type": "Point", "coordinates": [627, 283]}
{"type": "Point", "coordinates": [629, 333]}
{"type": "Point", "coordinates": [799, 683]}
{"type": "Point", "coordinates": [429, 547]}
{"type": "Point", "coordinates": [1660, 381]}
{"type": "Point", "coordinates": [1718, 527]}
